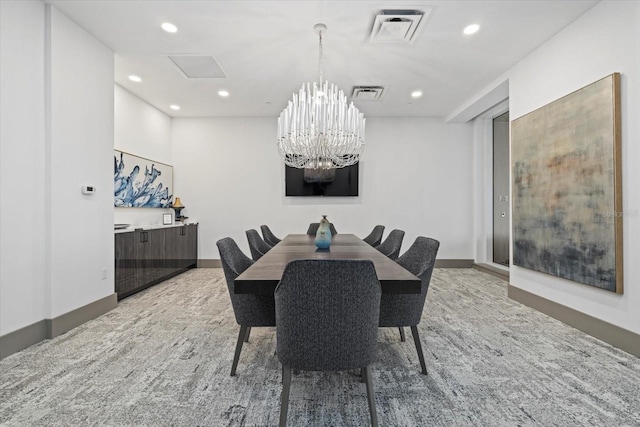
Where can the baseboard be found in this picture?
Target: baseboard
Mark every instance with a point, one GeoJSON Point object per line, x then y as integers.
{"type": "Point", "coordinates": [453, 263]}
{"type": "Point", "coordinates": [605, 331]}
{"type": "Point", "coordinates": [209, 263]}
{"type": "Point", "coordinates": [440, 263]}
{"type": "Point", "coordinates": [16, 341]}
{"type": "Point", "coordinates": [25, 337]}
{"type": "Point", "coordinates": [494, 271]}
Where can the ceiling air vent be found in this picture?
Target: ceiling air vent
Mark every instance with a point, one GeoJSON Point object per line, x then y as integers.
{"type": "Point", "coordinates": [198, 66]}
{"type": "Point", "coordinates": [398, 26]}
{"type": "Point", "coordinates": [366, 93]}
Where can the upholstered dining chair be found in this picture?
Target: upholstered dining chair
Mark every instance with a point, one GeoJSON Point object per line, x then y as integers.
{"type": "Point", "coordinates": [257, 246]}
{"type": "Point", "coordinates": [400, 310]}
{"type": "Point", "coordinates": [327, 315]}
{"type": "Point", "coordinates": [392, 244]}
{"type": "Point", "coordinates": [375, 237]}
{"type": "Point", "coordinates": [250, 310]}
{"type": "Point", "coordinates": [268, 236]}
{"type": "Point", "coordinates": [313, 228]}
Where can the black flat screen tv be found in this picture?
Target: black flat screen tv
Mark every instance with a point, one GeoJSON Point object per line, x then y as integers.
{"type": "Point", "coordinates": [339, 182]}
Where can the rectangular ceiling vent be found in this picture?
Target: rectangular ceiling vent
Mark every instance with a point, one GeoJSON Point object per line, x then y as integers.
{"type": "Point", "coordinates": [366, 93]}
{"type": "Point", "coordinates": [398, 26]}
{"type": "Point", "coordinates": [198, 66]}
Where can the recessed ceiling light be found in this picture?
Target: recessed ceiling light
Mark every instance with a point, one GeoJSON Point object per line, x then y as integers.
{"type": "Point", "coordinates": [174, 107]}
{"type": "Point", "coordinates": [223, 93]}
{"type": "Point", "coordinates": [416, 94]}
{"type": "Point", "coordinates": [471, 29]}
{"type": "Point", "coordinates": [135, 78]}
{"type": "Point", "coordinates": [169, 28]}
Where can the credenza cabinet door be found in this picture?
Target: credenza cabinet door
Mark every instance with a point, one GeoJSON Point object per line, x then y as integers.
{"type": "Point", "coordinates": [151, 255]}
{"type": "Point", "coordinates": [126, 276]}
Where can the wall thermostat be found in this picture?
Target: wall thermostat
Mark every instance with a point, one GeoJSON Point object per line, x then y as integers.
{"type": "Point", "coordinates": [88, 189]}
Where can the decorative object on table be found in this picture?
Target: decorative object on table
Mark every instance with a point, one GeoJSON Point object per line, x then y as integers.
{"type": "Point", "coordinates": [318, 130]}
{"type": "Point", "coordinates": [177, 206]}
{"type": "Point", "coordinates": [567, 187]}
{"type": "Point", "coordinates": [167, 219]}
{"type": "Point", "coordinates": [133, 189]}
{"type": "Point", "coordinates": [323, 235]}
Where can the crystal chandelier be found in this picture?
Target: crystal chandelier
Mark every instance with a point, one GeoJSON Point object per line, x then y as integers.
{"type": "Point", "coordinates": [317, 129]}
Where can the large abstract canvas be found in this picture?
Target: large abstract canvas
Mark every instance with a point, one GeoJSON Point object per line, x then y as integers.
{"type": "Point", "coordinates": [140, 182]}
{"type": "Point", "coordinates": [567, 197]}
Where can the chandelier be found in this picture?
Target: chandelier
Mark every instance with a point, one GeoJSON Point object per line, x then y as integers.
{"type": "Point", "coordinates": [317, 129]}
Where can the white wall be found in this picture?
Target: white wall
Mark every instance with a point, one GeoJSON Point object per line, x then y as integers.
{"type": "Point", "coordinates": [56, 136]}
{"type": "Point", "coordinates": [415, 174]}
{"type": "Point", "coordinates": [144, 131]}
{"type": "Point", "coordinates": [80, 147]}
{"type": "Point", "coordinates": [604, 40]}
{"type": "Point", "coordinates": [22, 165]}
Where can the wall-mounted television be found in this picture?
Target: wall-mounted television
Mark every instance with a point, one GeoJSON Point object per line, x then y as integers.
{"type": "Point", "coordinates": [338, 182]}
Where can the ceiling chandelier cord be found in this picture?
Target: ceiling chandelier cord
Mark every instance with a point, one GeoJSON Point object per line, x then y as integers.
{"type": "Point", "coordinates": [318, 129]}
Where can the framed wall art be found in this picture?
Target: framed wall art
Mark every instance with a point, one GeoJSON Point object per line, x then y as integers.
{"type": "Point", "coordinates": [140, 182]}
{"type": "Point", "coordinates": [567, 187]}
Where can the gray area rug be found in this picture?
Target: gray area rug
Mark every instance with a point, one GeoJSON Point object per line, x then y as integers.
{"type": "Point", "coordinates": [162, 358]}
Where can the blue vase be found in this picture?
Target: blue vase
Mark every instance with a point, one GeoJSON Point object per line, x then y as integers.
{"type": "Point", "coordinates": [323, 235]}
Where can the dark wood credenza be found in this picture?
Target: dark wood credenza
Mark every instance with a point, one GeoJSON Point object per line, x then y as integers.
{"type": "Point", "coordinates": [145, 257]}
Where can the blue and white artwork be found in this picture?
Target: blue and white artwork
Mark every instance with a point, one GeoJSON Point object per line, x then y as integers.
{"type": "Point", "coordinates": [141, 183]}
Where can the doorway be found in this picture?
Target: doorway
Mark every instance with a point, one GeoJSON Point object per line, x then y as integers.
{"type": "Point", "coordinates": [501, 167]}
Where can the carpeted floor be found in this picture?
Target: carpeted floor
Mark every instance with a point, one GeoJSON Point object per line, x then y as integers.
{"type": "Point", "coordinates": [162, 358]}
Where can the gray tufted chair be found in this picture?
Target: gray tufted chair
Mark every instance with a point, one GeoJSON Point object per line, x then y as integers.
{"type": "Point", "coordinates": [250, 310]}
{"type": "Point", "coordinates": [327, 314]}
{"type": "Point", "coordinates": [313, 228]}
{"type": "Point", "coordinates": [399, 310]}
{"type": "Point", "coordinates": [268, 236]}
{"type": "Point", "coordinates": [392, 244]}
{"type": "Point", "coordinates": [257, 246]}
{"type": "Point", "coordinates": [375, 237]}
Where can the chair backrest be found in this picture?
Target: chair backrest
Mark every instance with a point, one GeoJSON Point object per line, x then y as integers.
{"type": "Point", "coordinates": [392, 244]}
{"type": "Point", "coordinates": [268, 236]}
{"type": "Point", "coordinates": [327, 314]}
{"type": "Point", "coordinates": [257, 246]}
{"type": "Point", "coordinates": [406, 309]}
{"type": "Point", "coordinates": [375, 237]}
{"type": "Point", "coordinates": [249, 310]}
{"type": "Point", "coordinates": [313, 228]}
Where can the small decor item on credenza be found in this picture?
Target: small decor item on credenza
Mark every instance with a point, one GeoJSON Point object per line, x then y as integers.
{"type": "Point", "coordinates": [323, 235]}
{"type": "Point", "coordinates": [177, 206]}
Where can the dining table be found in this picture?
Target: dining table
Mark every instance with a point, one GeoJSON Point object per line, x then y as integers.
{"type": "Point", "coordinates": [263, 276]}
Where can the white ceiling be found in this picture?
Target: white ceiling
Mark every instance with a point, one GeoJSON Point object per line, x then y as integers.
{"type": "Point", "coordinates": [267, 48]}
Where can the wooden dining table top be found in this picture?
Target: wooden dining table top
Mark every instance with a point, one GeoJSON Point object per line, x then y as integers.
{"type": "Point", "coordinates": [263, 276]}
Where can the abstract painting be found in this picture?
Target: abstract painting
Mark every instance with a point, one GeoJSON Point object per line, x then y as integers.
{"type": "Point", "coordinates": [567, 187]}
{"type": "Point", "coordinates": [141, 183]}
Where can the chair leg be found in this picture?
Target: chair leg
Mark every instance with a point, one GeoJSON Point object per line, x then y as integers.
{"type": "Point", "coordinates": [284, 397]}
{"type": "Point", "coordinates": [366, 373]}
{"type": "Point", "coordinates": [416, 339]}
{"type": "Point", "coordinates": [236, 356]}
{"type": "Point", "coordinates": [246, 337]}
{"type": "Point", "coordinates": [402, 337]}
